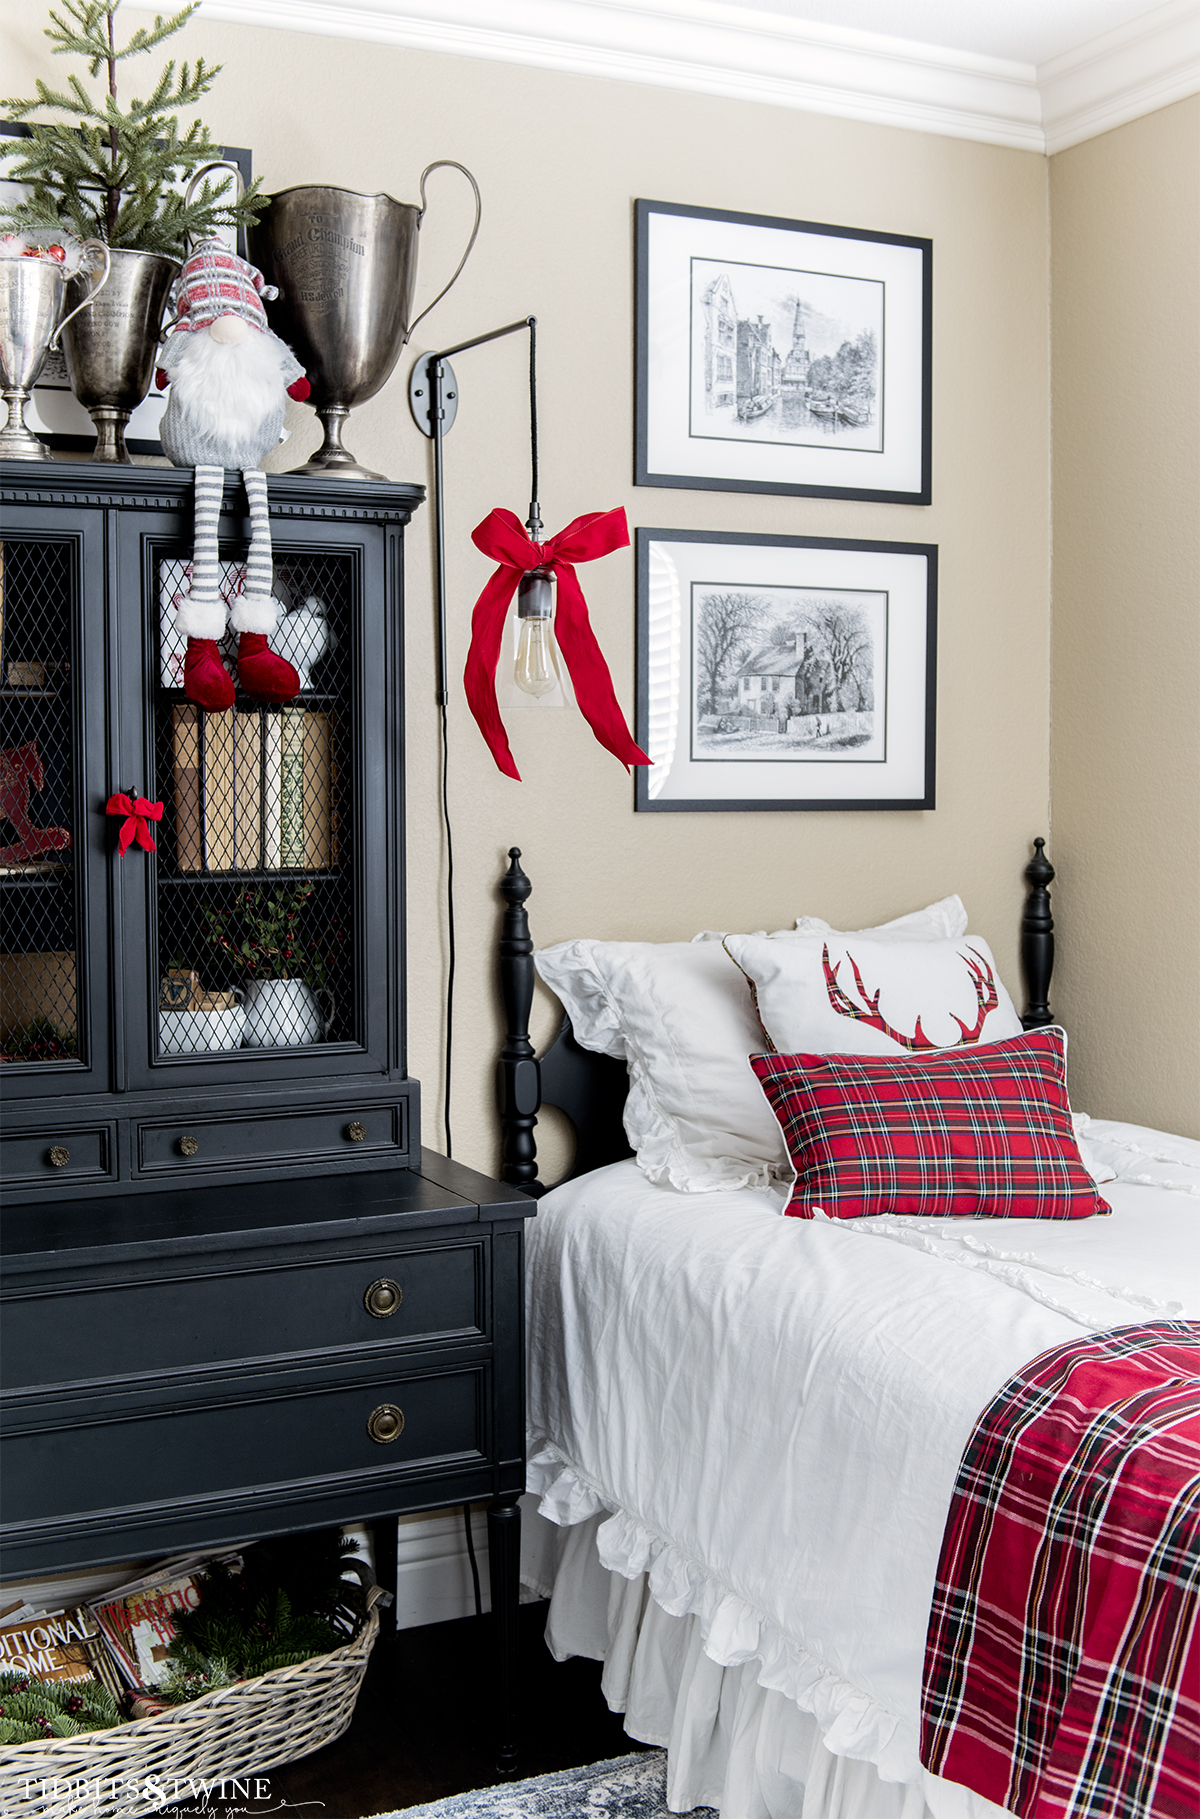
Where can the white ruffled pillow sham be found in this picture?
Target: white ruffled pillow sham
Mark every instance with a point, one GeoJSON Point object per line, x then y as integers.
{"type": "Point", "coordinates": [941, 921]}
{"type": "Point", "coordinates": [680, 1016]}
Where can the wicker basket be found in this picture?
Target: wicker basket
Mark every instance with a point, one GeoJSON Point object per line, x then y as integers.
{"type": "Point", "coordinates": [245, 1729]}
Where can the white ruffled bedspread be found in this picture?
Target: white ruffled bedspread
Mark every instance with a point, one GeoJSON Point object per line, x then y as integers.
{"type": "Point", "coordinates": [773, 1410]}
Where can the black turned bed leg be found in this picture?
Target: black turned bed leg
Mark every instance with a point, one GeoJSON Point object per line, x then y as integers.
{"type": "Point", "coordinates": [1037, 939]}
{"type": "Point", "coordinates": [385, 1536]}
{"type": "Point", "coordinates": [504, 1574]}
{"type": "Point", "coordinates": [518, 1084]}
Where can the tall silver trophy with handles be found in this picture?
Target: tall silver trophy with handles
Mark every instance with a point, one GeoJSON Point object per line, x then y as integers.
{"type": "Point", "coordinates": [345, 266]}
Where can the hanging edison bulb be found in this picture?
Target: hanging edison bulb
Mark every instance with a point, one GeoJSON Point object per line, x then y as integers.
{"type": "Point", "coordinates": [536, 671]}
{"type": "Point", "coordinates": [532, 672]}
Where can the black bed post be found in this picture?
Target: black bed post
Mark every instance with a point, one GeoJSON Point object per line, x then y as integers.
{"type": "Point", "coordinates": [518, 1085]}
{"type": "Point", "coordinates": [1037, 939]}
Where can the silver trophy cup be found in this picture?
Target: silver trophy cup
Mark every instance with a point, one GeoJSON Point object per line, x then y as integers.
{"type": "Point", "coordinates": [345, 266]}
{"type": "Point", "coordinates": [32, 301]}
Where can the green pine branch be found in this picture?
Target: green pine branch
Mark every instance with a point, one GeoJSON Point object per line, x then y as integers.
{"type": "Point", "coordinates": [114, 173]}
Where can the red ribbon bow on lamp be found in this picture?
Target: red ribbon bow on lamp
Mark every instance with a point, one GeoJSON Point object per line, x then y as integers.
{"type": "Point", "coordinates": [139, 814]}
{"type": "Point", "coordinates": [503, 537]}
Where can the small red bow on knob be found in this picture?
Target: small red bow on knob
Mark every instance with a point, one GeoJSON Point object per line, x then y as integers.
{"type": "Point", "coordinates": [502, 536]}
{"type": "Point", "coordinates": [139, 814]}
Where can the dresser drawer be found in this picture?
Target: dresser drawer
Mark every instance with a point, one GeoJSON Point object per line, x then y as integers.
{"type": "Point", "coordinates": [66, 1153]}
{"type": "Point", "coordinates": [261, 1140]}
{"type": "Point", "coordinates": [241, 1442]}
{"type": "Point", "coordinates": [174, 1323]}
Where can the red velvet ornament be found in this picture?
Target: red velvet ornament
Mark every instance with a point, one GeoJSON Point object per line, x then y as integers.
{"type": "Point", "coordinates": [502, 536]}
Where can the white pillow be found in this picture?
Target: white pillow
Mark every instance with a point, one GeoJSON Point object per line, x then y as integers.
{"type": "Point", "coordinates": [681, 1016]}
{"type": "Point", "coordinates": [863, 994]}
{"type": "Point", "coordinates": [940, 921]}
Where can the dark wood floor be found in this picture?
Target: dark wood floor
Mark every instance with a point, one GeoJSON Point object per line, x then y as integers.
{"type": "Point", "coordinates": [423, 1727]}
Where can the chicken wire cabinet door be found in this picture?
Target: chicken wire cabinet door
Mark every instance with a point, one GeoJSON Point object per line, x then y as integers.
{"type": "Point", "coordinates": [53, 927]}
{"type": "Point", "coordinates": [271, 905]}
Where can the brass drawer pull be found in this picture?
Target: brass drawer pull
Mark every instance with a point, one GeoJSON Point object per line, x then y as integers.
{"type": "Point", "coordinates": [59, 1157]}
{"type": "Point", "coordinates": [383, 1297]}
{"type": "Point", "coordinates": [188, 1146]}
{"type": "Point", "coordinates": [356, 1131]}
{"type": "Point", "coordinates": [385, 1423]}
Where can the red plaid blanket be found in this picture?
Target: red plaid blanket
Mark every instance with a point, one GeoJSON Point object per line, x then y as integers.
{"type": "Point", "coordinates": [1062, 1663]}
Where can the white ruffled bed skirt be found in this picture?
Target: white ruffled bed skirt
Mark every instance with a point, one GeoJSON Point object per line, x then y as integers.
{"type": "Point", "coordinates": [732, 1742]}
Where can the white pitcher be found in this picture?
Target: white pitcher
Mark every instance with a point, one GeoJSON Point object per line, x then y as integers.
{"type": "Point", "coordinates": [284, 1013]}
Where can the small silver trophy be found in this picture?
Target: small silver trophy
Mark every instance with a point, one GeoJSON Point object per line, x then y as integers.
{"type": "Point", "coordinates": [32, 298]}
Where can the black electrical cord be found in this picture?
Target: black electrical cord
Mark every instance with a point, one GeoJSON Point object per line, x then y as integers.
{"type": "Point", "coordinates": [449, 924]}
{"type": "Point", "coordinates": [434, 369]}
{"type": "Point", "coordinates": [466, 1510]}
{"type": "Point", "coordinates": [534, 513]}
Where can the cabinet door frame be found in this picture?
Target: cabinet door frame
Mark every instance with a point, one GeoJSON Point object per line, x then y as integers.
{"type": "Point", "coordinates": [83, 530]}
{"type": "Point", "coordinates": [368, 818]}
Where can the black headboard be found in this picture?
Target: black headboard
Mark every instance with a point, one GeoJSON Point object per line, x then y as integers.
{"type": "Point", "coordinates": [591, 1088]}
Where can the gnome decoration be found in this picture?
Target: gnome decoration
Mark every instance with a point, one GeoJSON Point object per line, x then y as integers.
{"type": "Point", "coordinates": [230, 380]}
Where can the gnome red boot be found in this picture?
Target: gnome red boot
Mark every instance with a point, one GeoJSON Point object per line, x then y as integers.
{"type": "Point", "coordinates": [205, 678]}
{"type": "Point", "coordinates": [200, 613]}
{"type": "Point", "coordinates": [263, 674]}
{"type": "Point", "coordinates": [255, 613]}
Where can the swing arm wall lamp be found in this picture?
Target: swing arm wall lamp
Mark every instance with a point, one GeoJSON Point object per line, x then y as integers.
{"type": "Point", "coordinates": [433, 401]}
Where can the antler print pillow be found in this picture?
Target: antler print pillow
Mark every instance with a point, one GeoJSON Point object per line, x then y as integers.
{"type": "Point", "coordinates": [843, 994]}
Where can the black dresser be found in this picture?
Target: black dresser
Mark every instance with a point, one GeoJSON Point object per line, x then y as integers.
{"type": "Point", "coordinates": [238, 1297]}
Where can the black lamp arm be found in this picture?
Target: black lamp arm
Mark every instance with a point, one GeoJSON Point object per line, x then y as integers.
{"type": "Point", "coordinates": [434, 406]}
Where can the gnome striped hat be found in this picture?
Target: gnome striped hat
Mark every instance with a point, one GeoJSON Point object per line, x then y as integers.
{"type": "Point", "coordinates": [215, 282]}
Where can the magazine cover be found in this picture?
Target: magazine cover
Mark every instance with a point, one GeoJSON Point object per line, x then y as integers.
{"type": "Point", "coordinates": [57, 1645]}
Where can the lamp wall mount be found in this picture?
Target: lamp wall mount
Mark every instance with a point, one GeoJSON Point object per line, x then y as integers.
{"type": "Point", "coordinates": [423, 393]}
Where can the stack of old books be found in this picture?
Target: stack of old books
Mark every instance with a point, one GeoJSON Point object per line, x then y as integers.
{"type": "Point", "coordinates": [254, 790]}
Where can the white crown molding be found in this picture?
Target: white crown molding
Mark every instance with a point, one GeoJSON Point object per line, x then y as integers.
{"type": "Point", "coordinates": [1118, 77]}
{"type": "Point", "coordinates": [751, 55]}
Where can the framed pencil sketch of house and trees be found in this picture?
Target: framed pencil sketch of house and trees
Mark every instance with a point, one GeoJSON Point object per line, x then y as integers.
{"type": "Point", "coordinates": [779, 356]}
{"type": "Point", "coordinates": [785, 672]}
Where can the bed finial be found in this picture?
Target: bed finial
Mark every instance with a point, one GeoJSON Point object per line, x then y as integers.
{"type": "Point", "coordinates": [518, 1086]}
{"type": "Point", "coordinates": [1037, 939]}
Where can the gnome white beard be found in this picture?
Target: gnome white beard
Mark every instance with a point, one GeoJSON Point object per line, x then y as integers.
{"type": "Point", "coordinates": [226, 404]}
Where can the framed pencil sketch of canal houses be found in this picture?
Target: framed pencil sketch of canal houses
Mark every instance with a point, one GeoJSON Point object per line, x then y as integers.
{"type": "Point", "coordinates": [779, 356]}
{"type": "Point", "coordinates": [784, 672]}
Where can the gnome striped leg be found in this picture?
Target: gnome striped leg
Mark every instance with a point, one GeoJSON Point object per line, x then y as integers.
{"type": "Point", "coordinates": [200, 613]}
{"type": "Point", "coordinates": [255, 612]}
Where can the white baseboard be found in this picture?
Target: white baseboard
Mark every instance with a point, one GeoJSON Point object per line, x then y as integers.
{"type": "Point", "coordinates": [433, 1568]}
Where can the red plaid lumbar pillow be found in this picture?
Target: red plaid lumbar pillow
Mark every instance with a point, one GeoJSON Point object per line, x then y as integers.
{"type": "Point", "coordinates": [982, 1131]}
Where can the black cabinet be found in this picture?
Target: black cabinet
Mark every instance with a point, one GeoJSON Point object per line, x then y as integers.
{"type": "Point", "coordinates": [238, 1298]}
{"type": "Point", "coordinates": [144, 1041]}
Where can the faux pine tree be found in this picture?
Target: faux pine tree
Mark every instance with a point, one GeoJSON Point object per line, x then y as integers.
{"type": "Point", "coordinates": [112, 173]}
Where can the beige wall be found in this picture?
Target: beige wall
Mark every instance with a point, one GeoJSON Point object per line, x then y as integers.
{"type": "Point", "coordinates": [1125, 215]}
{"type": "Point", "coordinates": [560, 159]}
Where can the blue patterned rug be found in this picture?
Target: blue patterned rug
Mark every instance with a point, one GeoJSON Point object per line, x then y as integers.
{"type": "Point", "coordinates": [629, 1787]}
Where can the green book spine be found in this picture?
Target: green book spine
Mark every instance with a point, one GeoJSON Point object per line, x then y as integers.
{"type": "Point", "coordinates": [291, 789]}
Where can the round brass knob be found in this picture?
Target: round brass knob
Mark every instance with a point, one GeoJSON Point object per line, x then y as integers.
{"type": "Point", "coordinates": [59, 1157]}
{"type": "Point", "coordinates": [385, 1423]}
{"type": "Point", "coordinates": [383, 1297]}
{"type": "Point", "coordinates": [188, 1146]}
{"type": "Point", "coordinates": [356, 1131]}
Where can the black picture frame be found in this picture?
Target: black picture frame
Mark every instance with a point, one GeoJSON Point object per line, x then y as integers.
{"type": "Point", "coordinates": [862, 430]}
{"type": "Point", "coordinates": [54, 381]}
{"type": "Point", "coordinates": [873, 750]}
